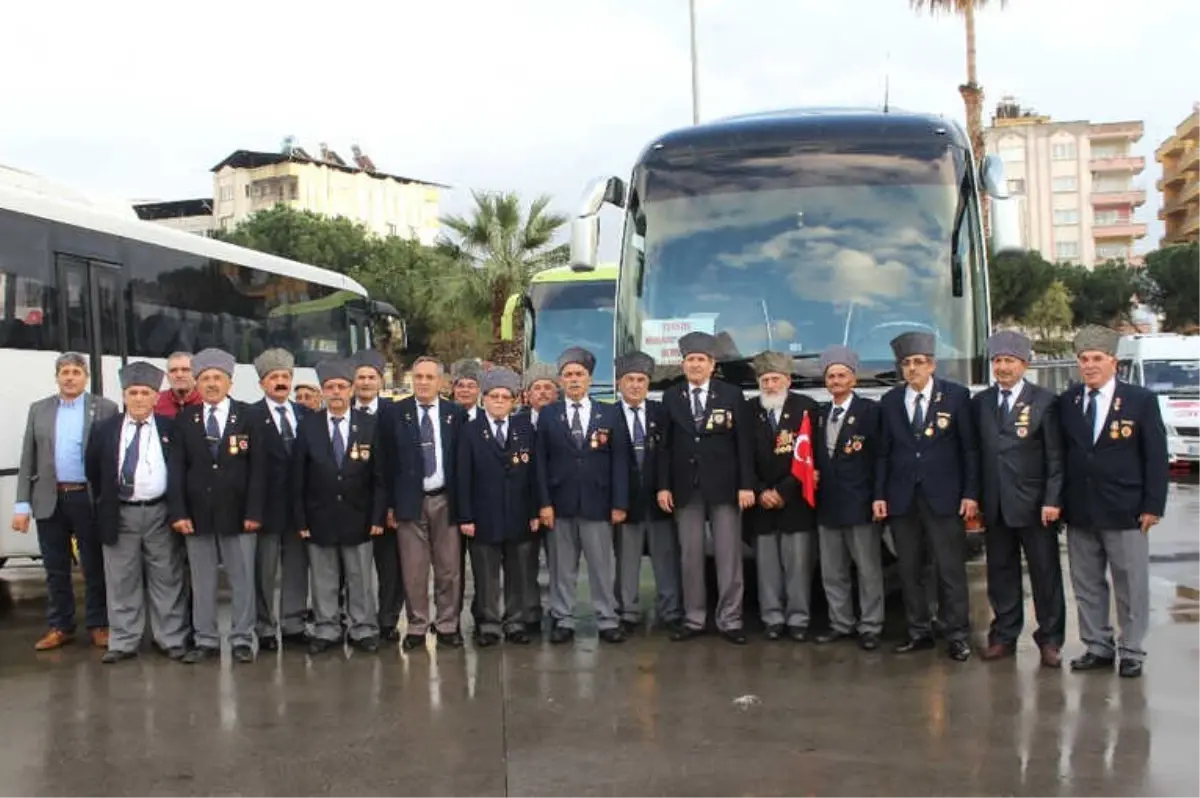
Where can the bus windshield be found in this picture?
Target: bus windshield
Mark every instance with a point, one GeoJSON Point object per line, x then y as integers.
{"type": "Point", "coordinates": [575, 313]}
{"type": "Point", "coordinates": [1178, 377]}
{"type": "Point", "coordinates": [796, 250]}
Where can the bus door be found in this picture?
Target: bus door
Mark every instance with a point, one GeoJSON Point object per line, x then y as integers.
{"type": "Point", "coordinates": [92, 308]}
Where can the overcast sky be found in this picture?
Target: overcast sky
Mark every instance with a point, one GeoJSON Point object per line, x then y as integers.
{"type": "Point", "coordinates": [141, 98]}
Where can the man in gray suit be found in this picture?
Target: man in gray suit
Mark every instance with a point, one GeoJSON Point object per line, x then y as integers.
{"type": "Point", "coordinates": [1020, 444]}
{"type": "Point", "coordinates": [52, 487]}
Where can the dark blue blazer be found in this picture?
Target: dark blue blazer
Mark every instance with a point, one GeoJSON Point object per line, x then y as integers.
{"type": "Point", "coordinates": [587, 483]}
{"type": "Point", "coordinates": [1124, 473]}
{"type": "Point", "coordinates": [407, 477]}
{"type": "Point", "coordinates": [497, 488]}
{"type": "Point", "coordinates": [338, 505]}
{"type": "Point", "coordinates": [643, 482]}
{"type": "Point", "coordinates": [847, 485]}
{"type": "Point", "coordinates": [942, 462]}
{"type": "Point", "coordinates": [278, 505]}
{"type": "Point", "coordinates": [101, 460]}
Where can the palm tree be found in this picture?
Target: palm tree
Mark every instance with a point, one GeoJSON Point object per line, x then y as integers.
{"type": "Point", "coordinates": [507, 246]}
{"type": "Point", "coordinates": [971, 91]}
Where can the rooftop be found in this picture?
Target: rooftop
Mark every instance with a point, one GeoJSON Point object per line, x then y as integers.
{"type": "Point", "coordinates": [251, 159]}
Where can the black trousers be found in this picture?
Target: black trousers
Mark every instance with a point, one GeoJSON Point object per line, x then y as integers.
{"type": "Point", "coordinates": [73, 515]}
{"type": "Point", "coordinates": [917, 533]}
{"type": "Point", "coordinates": [501, 602]}
{"type": "Point", "coordinates": [387, 569]}
{"type": "Point", "coordinates": [1006, 592]}
{"type": "Point", "coordinates": [476, 612]}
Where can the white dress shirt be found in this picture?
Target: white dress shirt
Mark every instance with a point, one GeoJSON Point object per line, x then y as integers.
{"type": "Point", "coordinates": [910, 400]}
{"type": "Point", "coordinates": [1103, 402]}
{"type": "Point", "coordinates": [1016, 394]}
{"type": "Point", "coordinates": [437, 480]}
{"type": "Point", "coordinates": [629, 418]}
{"type": "Point", "coordinates": [222, 415]}
{"type": "Point", "coordinates": [585, 412]}
{"type": "Point", "coordinates": [472, 412]}
{"type": "Point", "coordinates": [289, 411]}
{"type": "Point", "coordinates": [150, 475]}
{"type": "Point", "coordinates": [692, 396]}
{"type": "Point", "coordinates": [370, 408]}
{"type": "Point", "coordinates": [344, 427]}
{"type": "Point", "coordinates": [506, 428]}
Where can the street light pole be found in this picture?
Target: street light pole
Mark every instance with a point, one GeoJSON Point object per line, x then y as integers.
{"type": "Point", "coordinates": [695, 70]}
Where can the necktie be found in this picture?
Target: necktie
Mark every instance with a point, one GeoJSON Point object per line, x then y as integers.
{"type": "Point", "coordinates": [285, 429]}
{"type": "Point", "coordinates": [697, 406]}
{"type": "Point", "coordinates": [1090, 414]}
{"type": "Point", "coordinates": [918, 419]}
{"type": "Point", "coordinates": [212, 432]}
{"type": "Point", "coordinates": [428, 455]}
{"type": "Point", "coordinates": [639, 437]}
{"type": "Point", "coordinates": [1005, 407]}
{"type": "Point", "coordinates": [129, 467]}
{"type": "Point", "coordinates": [500, 434]}
{"type": "Point", "coordinates": [339, 443]}
{"type": "Point", "coordinates": [835, 429]}
{"type": "Point", "coordinates": [774, 419]}
{"type": "Point", "coordinates": [577, 425]}
{"type": "Point", "coordinates": [365, 409]}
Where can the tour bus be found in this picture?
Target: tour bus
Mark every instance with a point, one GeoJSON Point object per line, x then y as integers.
{"type": "Point", "coordinates": [793, 230]}
{"type": "Point", "coordinates": [563, 308]}
{"type": "Point", "coordinates": [1169, 365]}
{"type": "Point", "coordinates": [79, 278]}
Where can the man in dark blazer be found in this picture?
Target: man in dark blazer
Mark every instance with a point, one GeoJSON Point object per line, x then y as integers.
{"type": "Point", "coordinates": [425, 432]}
{"type": "Point", "coordinates": [1115, 492]}
{"type": "Point", "coordinates": [927, 486]}
{"type": "Point", "coordinates": [646, 525]}
{"type": "Point", "coordinates": [583, 478]}
{"type": "Point", "coordinates": [340, 506]}
{"type": "Point", "coordinates": [846, 453]}
{"type": "Point", "coordinates": [466, 377]}
{"type": "Point", "coordinates": [127, 457]}
{"type": "Point", "coordinates": [785, 552]}
{"type": "Point", "coordinates": [275, 417]}
{"type": "Point", "coordinates": [215, 497]}
{"type": "Point", "coordinates": [497, 500]}
{"type": "Point", "coordinates": [541, 389]}
{"type": "Point", "coordinates": [706, 473]}
{"type": "Point", "coordinates": [1021, 459]}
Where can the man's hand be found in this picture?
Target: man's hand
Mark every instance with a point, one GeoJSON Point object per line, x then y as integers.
{"type": "Point", "coordinates": [546, 516]}
{"type": "Point", "coordinates": [1147, 520]}
{"type": "Point", "coordinates": [534, 525]}
{"type": "Point", "coordinates": [20, 523]}
{"type": "Point", "coordinates": [184, 526]}
{"type": "Point", "coordinates": [618, 516]}
{"type": "Point", "coordinates": [1050, 515]}
{"type": "Point", "coordinates": [251, 526]}
{"type": "Point", "coordinates": [467, 529]}
{"type": "Point", "coordinates": [376, 531]}
{"type": "Point", "coordinates": [666, 502]}
{"type": "Point", "coordinates": [879, 510]}
{"type": "Point", "coordinates": [391, 519]}
{"type": "Point", "coordinates": [305, 534]}
{"type": "Point", "coordinates": [816, 478]}
{"type": "Point", "coordinates": [770, 499]}
{"type": "Point", "coordinates": [745, 499]}
{"type": "Point", "coordinates": [968, 509]}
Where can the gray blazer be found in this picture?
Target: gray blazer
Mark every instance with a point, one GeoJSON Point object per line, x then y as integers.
{"type": "Point", "coordinates": [37, 481]}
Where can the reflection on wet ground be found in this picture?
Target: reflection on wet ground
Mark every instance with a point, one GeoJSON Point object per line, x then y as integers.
{"type": "Point", "coordinates": [650, 717]}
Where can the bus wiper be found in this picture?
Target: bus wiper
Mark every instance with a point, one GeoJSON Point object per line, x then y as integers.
{"type": "Point", "coordinates": [956, 259]}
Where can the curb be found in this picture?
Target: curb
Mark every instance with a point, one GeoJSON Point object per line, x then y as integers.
{"type": "Point", "coordinates": [1176, 589]}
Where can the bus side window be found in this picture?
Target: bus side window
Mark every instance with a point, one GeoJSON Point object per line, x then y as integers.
{"type": "Point", "coordinates": [1125, 370]}
{"type": "Point", "coordinates": [27, 298]}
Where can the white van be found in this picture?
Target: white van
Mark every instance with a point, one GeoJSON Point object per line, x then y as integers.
{"type": "Point", "coordinates": [1169, 365]}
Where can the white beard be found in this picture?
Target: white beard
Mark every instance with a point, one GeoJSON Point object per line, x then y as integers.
{"type": "Point", "coordinates": [772, 401]}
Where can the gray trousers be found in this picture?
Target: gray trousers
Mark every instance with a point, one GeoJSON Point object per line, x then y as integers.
{"type": "Point", "coordinates": [431, 540]}
{"type": "Point", "coordinates": [205, 554]}
{"type": "Point", "coordinates": [839, 547]}
{"type": "Point", "coordinates": [1126, 553]}
{"type": "Point", "coordinates": [327, 565]}
{"type": "Point", "coordinates": [664, 561]}
{"type": "Point", "coordinates": [533, 566]}
{"type": "Point", "coordinates": [726, 521]}
{"type": "Point", "coordinates": [785, 577]}
{"type": "Point", "coordinates": [146, 558]}
{"type": "Point", "coordinates": [293, 585]}
{"type": "Point", "coordinates": [266, 571]}
{"type": "Point", "coordinates": [488, 561]}
{"type": "Point", "coordinates": [594, 539]}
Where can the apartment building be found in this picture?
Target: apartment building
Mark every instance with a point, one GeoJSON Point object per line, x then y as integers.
{"type": "Point", "coordinates": [1075, 183]}
{"type": "Point", "coordinates": [389, 205]}
{"type": "Point", "coordinates": [1179, 156]}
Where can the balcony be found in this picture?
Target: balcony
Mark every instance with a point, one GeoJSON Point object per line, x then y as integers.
{"type": "Point", "coordinates": [1133, 197]}
{"type": "Point", "coordinates": [1119, 229]}
{"type": "Point", "coordinates": [1129, 131]}
{"type": "Point", "coordinates": [1121, 163]}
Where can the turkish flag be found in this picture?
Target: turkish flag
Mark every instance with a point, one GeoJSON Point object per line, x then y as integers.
{"type": "Point", "coordinates": [803, 468]}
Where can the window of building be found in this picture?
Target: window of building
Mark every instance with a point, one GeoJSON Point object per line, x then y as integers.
{"type": "Point", "coordinates": [1108, 151]}
{"type": "Point", "coordinates": [1063, 150]}
{"type": "Point", "coordinates": [1066, 183]}
{"type": "Point", "coordinates": [227, 222]}
{"type": "Point", "coordinates": [1112, 252]}
{"type": "Point", "coordinates": [226, 193]}
{"type": "Point", "coordinates": [1066, 250]}
{"type": "Point", "coordinates": [247, 189]}
{"type": "Point", "coordinates": [391, 228]}
{"type": "Point", "coordinates": [1068, 216]}
{"type": "Point", "coordinates": [1107, 218]}
{"type": "Point", "coordinates": [1012, 151]}
{"type": "Point", "coordinates": [1016, 186]}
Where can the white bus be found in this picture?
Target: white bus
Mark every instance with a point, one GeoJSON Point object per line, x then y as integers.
{"type": "Point", "coordinates": [75, 278]}
{"type": "Point", "coordinates": [1169, 365]}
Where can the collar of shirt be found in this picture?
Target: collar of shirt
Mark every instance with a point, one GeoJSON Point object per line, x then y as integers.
{"type": "Point", "coordinates": [222, 408]}
{"type": "Point", "coordinates": [1107, 390]}
{"type": "Point", "coordinates": [344, 426]}
{"type": "Point", "coordinates": [70, 403]}
{"type": "Point", "coordinates": [1014, 396]}
{"type": "Point", "coordinates": [844, 404]}
{"type": "Point", "coordinates": [910, 396]}
{"type": "Point", "coordinates": [435, 407]}
{"type": "Point", "coordinates": [131, 422]}
{"type": "Point", "coordinates": [492, 421]}
{"type": "Point", "coordinates": [703, 388]}
{"type": "Point", "coordinates": [372, 406]}
{"type": "Point", "coordinates": [585, 409]}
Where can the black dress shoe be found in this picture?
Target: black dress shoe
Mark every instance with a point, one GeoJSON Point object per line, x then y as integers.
{"type": "Point", "coordinates": [959, 650]}
{"type": "Point", "coordinates": [243, 654]}
{"type": "Point", "coordinates": [268, 644]}
{"type": "Point", "coordinates": [411, 642]}
{"type": "Point", "coordinates": [684, 633]}
{"type": "Point", "coordinates": [630, 628]}
{"type": "Point", "coordinates": [534, 628]}
{"type": "Point", "coordinates": [368, 645]}
{"type": "Point", "coordinates": [798, 633]}
{"type": "Point", "coordinates": [200, 654]}
{"type": "Point", "coordinates": [518, 636]}
{"type": "Point", "coordinates": [1130, 669]}
{"type": "Point", "coordinates": [831, 637]}
{"type": "Point", "coordinates": [487, 639]}
{"type": "Point", "coordinates": [562, 634]}
{"type": "Point", "coordinates": [868, 641]}
{"type": "Point", "coordinates": [774, 631]}
{"type": "Point", "coordinates": [319, 645]}
{"type": "Point", "coordinates": [1091, 662]}
{"type": "Point", "coordinates": [298, 640]}
{"type": "Point", "coordinates": [450, 640]}
{"type": "Point", "coordinates": [612, 635]}
{"type": "Point", "coordinates": [735, 636]}
{"type": "Point", "coordinates": [390, 634]}
{"type": "Point", "coordinates": [112, 656]}
{"type": "Point", "coordinates": [915, 644]}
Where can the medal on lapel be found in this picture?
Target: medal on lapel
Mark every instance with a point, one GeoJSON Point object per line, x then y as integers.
{"type": "Point", "coordinates": [233, 444]}
{"type": "Point", "coordinates": [354, 452]}
{"type": "Point", "coordinates": [1022, 432]}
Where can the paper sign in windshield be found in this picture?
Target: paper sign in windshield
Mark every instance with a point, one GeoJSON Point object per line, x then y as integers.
{"type": "Point", "coordinates": [660, 337]}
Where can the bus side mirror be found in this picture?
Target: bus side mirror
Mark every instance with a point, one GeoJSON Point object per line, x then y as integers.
{"type": "Point", "coordinates": [1005, 211]}
{"type": "Point", "coordinates": [507, 320]}
{"type": "Point", "coordinates": [585, 228]}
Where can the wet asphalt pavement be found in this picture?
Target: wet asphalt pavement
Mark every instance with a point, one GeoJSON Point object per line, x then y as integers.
{"type": "Point", "coordinates": [645, 718]}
